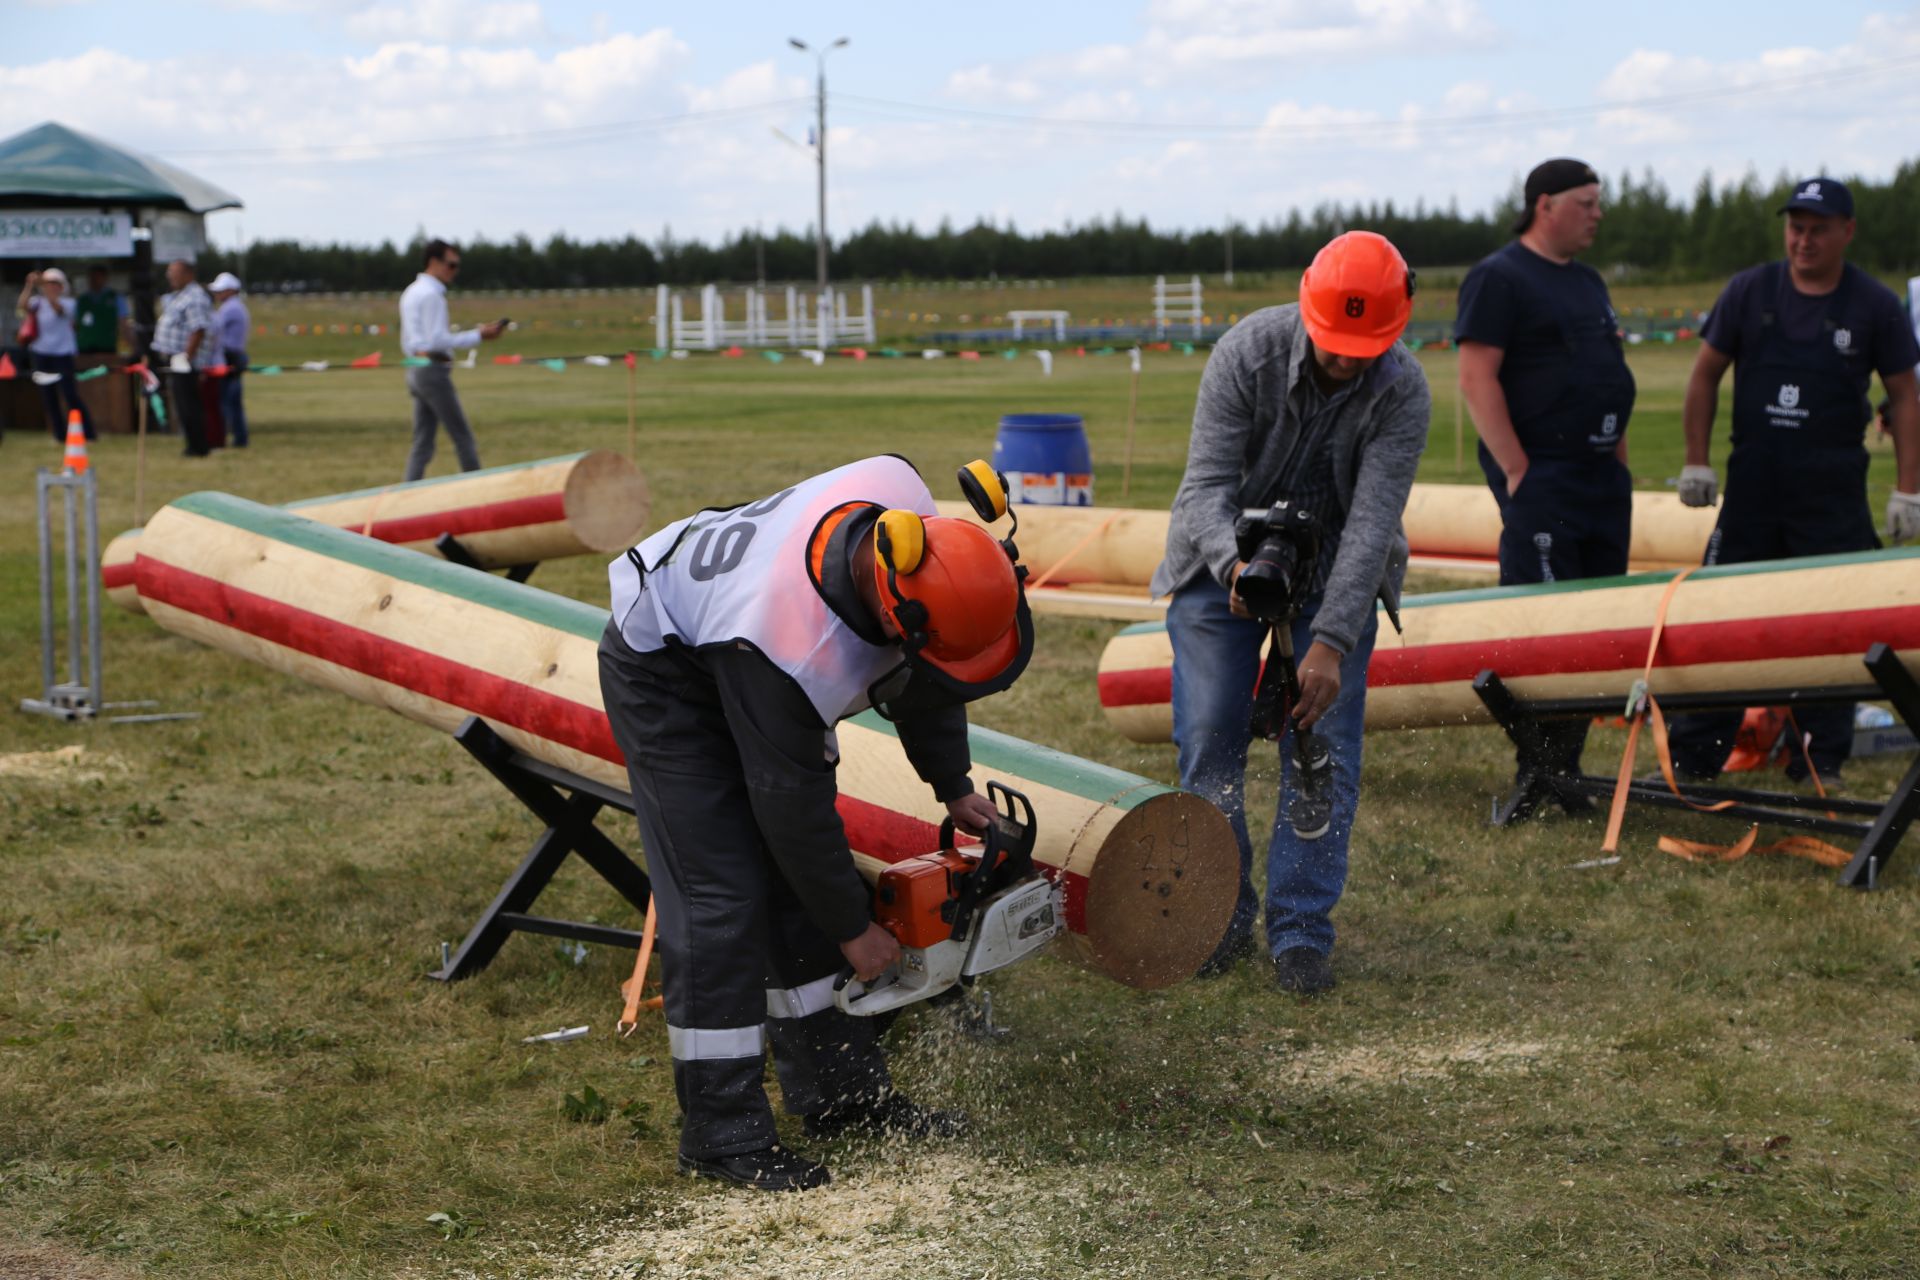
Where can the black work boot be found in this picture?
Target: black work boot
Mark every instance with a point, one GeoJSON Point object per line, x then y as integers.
{"type": "Point", "coordinates": [1303, 971]}
{"type": "Point", "coordinates": [893, 1113]}
{"type": "Point", "coordinates": [769, 1169]}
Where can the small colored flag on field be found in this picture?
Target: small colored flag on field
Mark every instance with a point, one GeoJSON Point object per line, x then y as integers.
{"type": "Point", "coordinates": [265, 371]}
{"type": "Point", "coordinates": [512, 359]}
{"type": "Point", "coordinates": [413, 362]}
{"type": "Point", "coordinates": [159, 408]}
{"type": "Point", "coordinates": [773, 357]}
{"type": "Point", "coordinates": [88, 375]}
{"type": "Point", "coordinates": [315, 366]}
{"type": "Point", "coordinates": [7, 370]}
{"type": "Point", "coordinates": [598, 362]}
{"type": "Point", "coordinates": [558, 366]}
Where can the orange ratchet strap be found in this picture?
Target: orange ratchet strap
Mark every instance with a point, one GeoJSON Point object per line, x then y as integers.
{"type": "Point", "coordinates": [632, 987]}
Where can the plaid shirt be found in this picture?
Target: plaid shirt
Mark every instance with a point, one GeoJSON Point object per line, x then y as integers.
{"type": "Point", "coordinates": [184, 311]}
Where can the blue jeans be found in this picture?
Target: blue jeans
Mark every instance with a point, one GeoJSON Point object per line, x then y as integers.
{"type": "Point", "coordinates": [1216, 663]}
{"type": "Point", "coordinates": [232, 410]}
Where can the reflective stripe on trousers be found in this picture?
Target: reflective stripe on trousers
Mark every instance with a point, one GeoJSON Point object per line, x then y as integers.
{"type": "Point", "coordinates": [695, 1044]}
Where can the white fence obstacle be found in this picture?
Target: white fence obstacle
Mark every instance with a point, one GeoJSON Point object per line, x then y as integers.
{"type": "Point", "coordinates": [823, 320]}
{"type": "Point", "coordinates": [1056, 319]}
{"type": "Point", "coordinates": [1177, 304]}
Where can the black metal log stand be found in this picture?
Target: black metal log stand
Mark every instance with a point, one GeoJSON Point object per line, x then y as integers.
{"type": "Point", "coordinates": [566, 803]}
{"type": "Point", "coordinates": [451, 548]}
{"type": "Point", "coordinates": [1540, 783]}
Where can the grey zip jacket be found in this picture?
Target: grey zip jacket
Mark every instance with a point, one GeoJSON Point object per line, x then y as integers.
{"type": "Point", "coordinates": [1244, 433]}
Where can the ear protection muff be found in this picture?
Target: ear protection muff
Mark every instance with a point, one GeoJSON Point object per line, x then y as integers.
{"type": "Point", "coordinates": [986, 492]}
{"type": "Point", "coordinates": [900, 540]}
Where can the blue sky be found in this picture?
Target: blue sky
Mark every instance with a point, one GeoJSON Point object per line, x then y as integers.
{"type": "Point", "coordinates": [363, 119]}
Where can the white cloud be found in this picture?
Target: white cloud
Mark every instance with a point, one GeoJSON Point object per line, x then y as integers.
{"type": "Point", "coordinates": [493, 23]}
{"type": "Point", "coordinates": [1200, 42]}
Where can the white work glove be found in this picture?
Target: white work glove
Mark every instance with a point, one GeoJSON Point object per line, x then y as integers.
{"type": "Point", "coordinates": [1699, 486]}
{"type": "Point", "coordinates": [1903, 516]}
{"type": "Point", "coordinates": [181, 363]}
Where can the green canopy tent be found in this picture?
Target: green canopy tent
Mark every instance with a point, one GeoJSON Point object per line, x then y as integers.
{"type": "Point", "coordinates": [64, 175]}
{"type": "Point", "coordinates": [53, 166]}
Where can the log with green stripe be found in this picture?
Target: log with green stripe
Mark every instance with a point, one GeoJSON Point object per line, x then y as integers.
{"type": "Point", "coordinates": [1772, 625]}
{"type": "Point", "coordinates": [521, 513]}
{"type": "Point", "coordinates": [1149, 873]}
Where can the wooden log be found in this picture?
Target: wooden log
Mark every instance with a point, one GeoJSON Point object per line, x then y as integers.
{"type": "Point", "coordinates": [1448, 525]}
{"type": "Point", "coordinates": [1149, 873]}
{"type": "Point", "coordinates": [522, 513]}
{"type": "Point", "coordinates": [1780, 624]}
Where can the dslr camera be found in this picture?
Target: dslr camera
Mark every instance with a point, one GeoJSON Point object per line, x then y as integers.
{"type": "Point", "coordinates": [1279, 544]}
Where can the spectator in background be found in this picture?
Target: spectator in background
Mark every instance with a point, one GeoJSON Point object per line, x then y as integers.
{"type": "Point", "coordinates": [425, 335]}
{"type": "Point", "coordinates": [1544, 375]}
{"type": "Point", "coordinates": [230, 322]}
{"type": "Point", "coordinates": [184, 337]}
{"type": "Point", "coordinates": [44, 300]}
{"type": "Point", "coordinates": [1804, 337]}
{"type": "Point", "coordinates": [102, 310]}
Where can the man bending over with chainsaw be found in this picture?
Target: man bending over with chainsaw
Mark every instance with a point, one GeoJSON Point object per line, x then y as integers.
{"type": "Point", "coordinates": [1309, 426]}
{"type": "Point", "coordinates": [740, 637]}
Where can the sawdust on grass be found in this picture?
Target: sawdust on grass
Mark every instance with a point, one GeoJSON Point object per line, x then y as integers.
{"type": "Point", "coordinates": [72, 763]}
{"type": "Point", "coordinates": [910, 1212]}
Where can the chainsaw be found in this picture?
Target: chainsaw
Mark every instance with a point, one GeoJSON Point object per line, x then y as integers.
{"type": "Point", "coordinates": [958, 914]}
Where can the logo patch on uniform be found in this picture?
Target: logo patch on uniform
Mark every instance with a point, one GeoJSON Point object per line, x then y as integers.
{"type": "Point", "coordinates": [1843, 339]}
{"type": "Point", "coordinates": [1789, 395]}
{"type": "Point", "coordinates": [1809, 192]}
{"type": "Point", "coordinates": [1356, 306]}
{"type": "Point", "coordinates": [1610, 424]}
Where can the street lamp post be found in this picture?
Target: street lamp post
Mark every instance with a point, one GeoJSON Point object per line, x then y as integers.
{"type": "Point", "coordinates": [820, 149]}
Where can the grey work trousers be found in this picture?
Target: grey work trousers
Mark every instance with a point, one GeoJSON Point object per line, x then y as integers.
{"type": "Point", "coordinates": [436, 404]}
{"type": "Point", "coordinates": [741, 965]}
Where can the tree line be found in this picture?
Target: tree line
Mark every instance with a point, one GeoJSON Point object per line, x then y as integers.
{"type": "Point", "coordinates": [1649, 232]}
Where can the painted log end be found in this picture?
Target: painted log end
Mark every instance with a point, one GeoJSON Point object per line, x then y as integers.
{"type": "Point", "coordinates": [607, 501]}
{"type": "Point", "coordinates": [1161, 893]}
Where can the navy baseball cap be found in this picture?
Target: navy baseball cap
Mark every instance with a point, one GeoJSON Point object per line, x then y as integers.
{"type": "Point", "coordinates": [1821, 195]}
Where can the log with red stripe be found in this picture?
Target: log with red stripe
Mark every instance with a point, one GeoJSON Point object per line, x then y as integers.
{"type": "Point", "coordinates": [1097, 561]}
{"type": "Point", "coordinates": [1780, 624]}
{"type": "Point", "coordinates": [522, 513]}
{"type": "Point", "coordinates": [1150, 873]}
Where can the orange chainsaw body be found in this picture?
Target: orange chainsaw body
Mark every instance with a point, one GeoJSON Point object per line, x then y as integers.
{"type": "Point", "coordinates": [913, 897]}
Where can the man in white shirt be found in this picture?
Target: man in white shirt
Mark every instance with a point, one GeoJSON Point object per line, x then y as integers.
{"type": "Point", "coordinates": [424, 334]}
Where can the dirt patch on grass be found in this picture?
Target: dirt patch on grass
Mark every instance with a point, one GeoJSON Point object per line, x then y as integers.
{"type": "Point", "coordinates": [46, 1261]}
{"type": "Point", "coordinates": [63, 764]}
{"type": "Point", "coordinates": [898, 1212]}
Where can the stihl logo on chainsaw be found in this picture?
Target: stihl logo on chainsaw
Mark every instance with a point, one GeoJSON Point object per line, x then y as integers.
{"type": "Point", "coordinates": [958, 914]}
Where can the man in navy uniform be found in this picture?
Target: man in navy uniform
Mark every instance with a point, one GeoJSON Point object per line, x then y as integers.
{"type": "Point", "coordinates": [1805, 337]}
{"type": "Point", "coordinates": [1545, 377]}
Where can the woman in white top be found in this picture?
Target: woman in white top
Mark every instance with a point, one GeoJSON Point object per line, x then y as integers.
{"type": "Point", "coordinates": [44, 297]}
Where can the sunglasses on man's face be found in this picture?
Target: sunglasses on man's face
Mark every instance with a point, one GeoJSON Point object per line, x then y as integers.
{"type": "Point", "coordinates": [453, 264]}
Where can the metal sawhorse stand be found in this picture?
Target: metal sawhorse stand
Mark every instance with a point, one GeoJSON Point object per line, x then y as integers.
{"type": "Point", "coordinates": [78, 697]}
{"type": "Point", "coordinates": [1575, 792]}
{"type": "Point", "coordinates": [567, 804]}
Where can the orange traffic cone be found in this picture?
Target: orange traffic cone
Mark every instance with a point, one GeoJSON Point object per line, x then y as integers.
{"type": "Point", "coordinates": [76, 444]}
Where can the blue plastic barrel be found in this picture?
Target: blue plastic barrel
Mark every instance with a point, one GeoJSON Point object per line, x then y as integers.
{"type": "Point", "coordinates": [1045, 458]}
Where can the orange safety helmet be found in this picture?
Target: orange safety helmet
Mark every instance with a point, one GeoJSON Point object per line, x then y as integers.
{"type": "Point", "coordinates": [1357, 297]}
{"type": "Point", "coordinates": [951, 590]}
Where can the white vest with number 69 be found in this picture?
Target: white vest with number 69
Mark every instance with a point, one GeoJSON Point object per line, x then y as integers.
{"type": "Point", "coordinates": [738, 575]}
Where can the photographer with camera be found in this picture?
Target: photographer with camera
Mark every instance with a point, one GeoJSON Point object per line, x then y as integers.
{"type": "Point", "coordinates": [1306, 436]}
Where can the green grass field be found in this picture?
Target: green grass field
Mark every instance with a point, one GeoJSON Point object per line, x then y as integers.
{"type": "Point", "coordinates": [219, 1056]}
